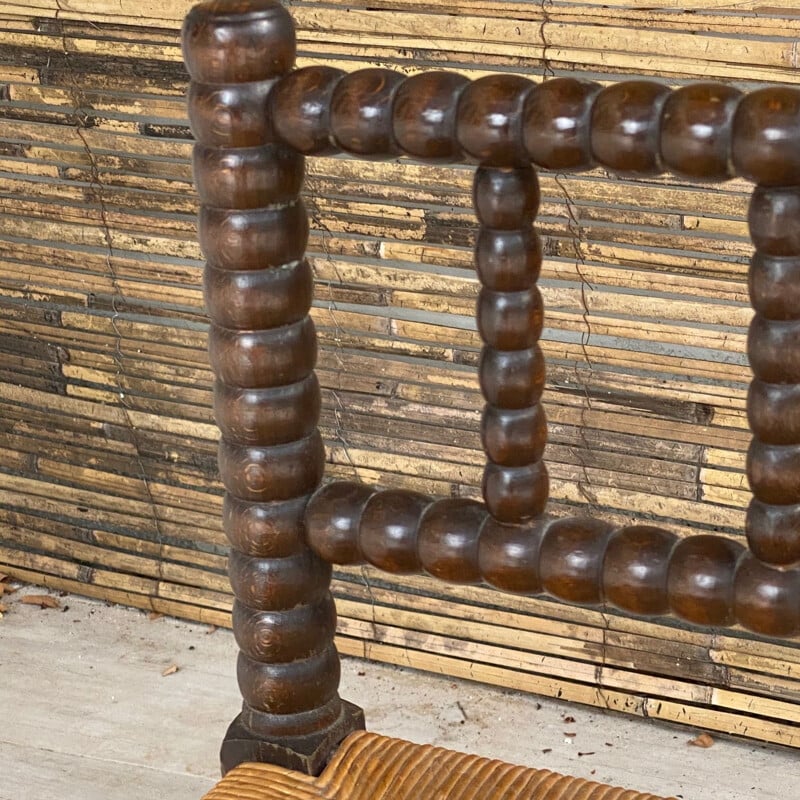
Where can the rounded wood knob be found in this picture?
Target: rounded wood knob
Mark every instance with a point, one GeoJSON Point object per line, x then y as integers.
{"type": "Point", "coordinates": [514, 437]}
{"type": "Point", "coordinates": [774, 412]}
{"type": "Point", "coordinates": [278, 584]}
{"type": "Point", "coordinates": [260, 359]}
{"type": "Point", "coordinates": [508, 555]}
{"type": "Point", "coordinates": [773, 471]}
{"type": "Point", "coordinates": [773, 348]}
{"type": "Point", "coordinates": [447, 542]}
{"type": "Point", "coordinates": [333, 519]}
{"type": "Point", "coordinates": [276, 415]}
{"type": "Point", "coordinates": [774, 283]}
{"type": "Point", "coordinates": [284, 636]}
{"type": "Point", "coordinates": [625, 127]}
{"type": "Point", "coordinates": [774, 220]}
{"type": "Point", "coordinates": [265, 474]}
{"type": "Point", "coordinates": [258, 299]}
{"type": "Point", "coordinates": [230, 114]}
{"type": "Point", "coordinates": [424, 115]}
{"type": "Point", "coordinates": [635, 569]}
{"type": "Point", "coordinates": [766, 129]}
{"type": "Point", "coordinates": [289, 688]}
{"type": "Point", "coordinates": [361, 112]}
{"type": "Point", "coordinates": [510, 320]}
{"type": "Point", "coordinates": [508, 261]}
{"type": "Point", "coordinates": [300, 106]}
{"type": "Point", "coordinates": [700, 579]}
{"type": "Point", "coordinates": [766, 599]}
{"type": "Point", "coordinates": [571, 559]}
{"type": "Point", "coordinates": [512, 378]}
{"type": "Point", "coordinates": [255, 238]}
{"type": "Point", "coordinates": [388, 530]}
{"type": "Point", "coordinates": [555, 124]}
{"type": "Point", "coordinates": [265, 530]}
{"type": "Point", "coordinates": [515, 494]}
{"type": "Point", "coordinates": [489, 125]}
{"type": "Point", "coordinates": [773, 533]}
{"type": "Point", "coordinates": [247, 177]}
{"type": "Point", "coordinates": [696, 130]}
{"type": "Point", "coordinates": [506, 199]}
{"type": "Point", "coordinates": [238, 41]}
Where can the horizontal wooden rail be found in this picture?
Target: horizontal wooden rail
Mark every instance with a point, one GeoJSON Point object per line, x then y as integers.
{"type": "Point", "coordinates": [708, 131]}
{"type": "Point", "coordinates": [641, 569]}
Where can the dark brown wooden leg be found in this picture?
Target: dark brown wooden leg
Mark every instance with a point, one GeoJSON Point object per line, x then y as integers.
{"type": "Point", "coordinates": [262, 344]}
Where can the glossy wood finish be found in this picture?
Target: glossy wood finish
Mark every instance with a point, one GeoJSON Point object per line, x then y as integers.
{"type": "Point", "coordinates": [697, 130]}
{"type": "Point", "coordinates": [640, 569]}
{"type": "Point", "coordinates": [361, 112]}
{"type": "Point", "coordinates": [635, 569]}
{"type": "Point", "coordinates": [706, 131]}
{"type": "Point", "coordinates": [625, 127]}
{"type": "Point", "coordinates": [773, 344]}
{"type": "Point", "coordinates": [510, 316]}
{"type": "Point", "coordinates": [489, 126]}
{"type": "Point", "coordinates": [424, 115]}
{"type": "Point", "coordinates": [571, 559]}
{"type": "Point", "coordinates": [766, 129]}
{"type": "Point", "coordinates": [253, 229]}
{"type": "Point", "coordinates": [556, 124]}
{"type": "Point", "coordinates": [389, 530]}
{"type": "Point", "coordinates": [300, 106]}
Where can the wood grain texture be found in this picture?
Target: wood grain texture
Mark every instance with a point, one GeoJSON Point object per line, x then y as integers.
{"type": "Point", "coordinates": [103, 337]}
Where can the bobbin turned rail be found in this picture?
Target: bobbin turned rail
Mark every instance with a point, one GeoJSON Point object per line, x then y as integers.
{"type": "Point", "coordinates": [255, 120]}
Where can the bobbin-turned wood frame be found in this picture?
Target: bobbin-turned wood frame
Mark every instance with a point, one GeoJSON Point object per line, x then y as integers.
{"type": "Point", "coordinates": [255, 119]}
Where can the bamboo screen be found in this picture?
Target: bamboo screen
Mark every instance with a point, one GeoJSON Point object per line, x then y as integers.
{"type": "Point", "coordinates": [107, 447]}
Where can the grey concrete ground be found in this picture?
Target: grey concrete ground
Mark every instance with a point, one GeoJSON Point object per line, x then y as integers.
{"type": "Point", "coordinates": [86, 714]}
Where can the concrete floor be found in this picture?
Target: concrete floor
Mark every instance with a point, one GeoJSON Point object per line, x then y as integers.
{"type": "Point", "coordinates": [86, 714]}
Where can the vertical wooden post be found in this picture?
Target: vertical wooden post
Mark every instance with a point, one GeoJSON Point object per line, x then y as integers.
{"type": "Point", "coordinates": [253, 229]}
{"type": "Point", "coordinates": [773, 403]}
{"type": "Point", "coordinates": [510, 317]}
{"type": "Point", "coordinates": [508, 258]}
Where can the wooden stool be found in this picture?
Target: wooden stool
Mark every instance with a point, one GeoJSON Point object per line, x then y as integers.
{"type": "Point", "coordinates": [255, 118]}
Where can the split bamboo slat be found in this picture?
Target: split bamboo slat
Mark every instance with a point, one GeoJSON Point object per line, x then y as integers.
{"type": "Point", "coordinates": [108, 480]}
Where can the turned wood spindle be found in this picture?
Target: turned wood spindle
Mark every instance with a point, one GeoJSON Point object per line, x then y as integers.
{"type": "Point", "coordinates": [773, 463]}
{"type": "Point", "coordinates": [397, 531]}
{"type": "Point", "coordinates": [510, 317]}
{"type": "Point", "coordinates": [253, 229]}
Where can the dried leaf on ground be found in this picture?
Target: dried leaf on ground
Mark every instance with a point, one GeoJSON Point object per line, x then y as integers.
{"type": "Point", "coordinates": [41, 600]}
{"type": "Point", "coordinates": [154, 615]}
{"type": "Point", "coordinates": [3, 609]}
{"type": "Point", "coordinates": [170, 670]}
{"type": "Point", "coordinates": [3, 577]}
{"type": "Point", "coordinates": [211, 629]}
{"type": "Point", "coordinates": [703, 740]}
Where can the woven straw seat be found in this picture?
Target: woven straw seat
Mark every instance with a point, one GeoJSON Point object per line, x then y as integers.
{"type": "Point", "coordinates": [372, 767]}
